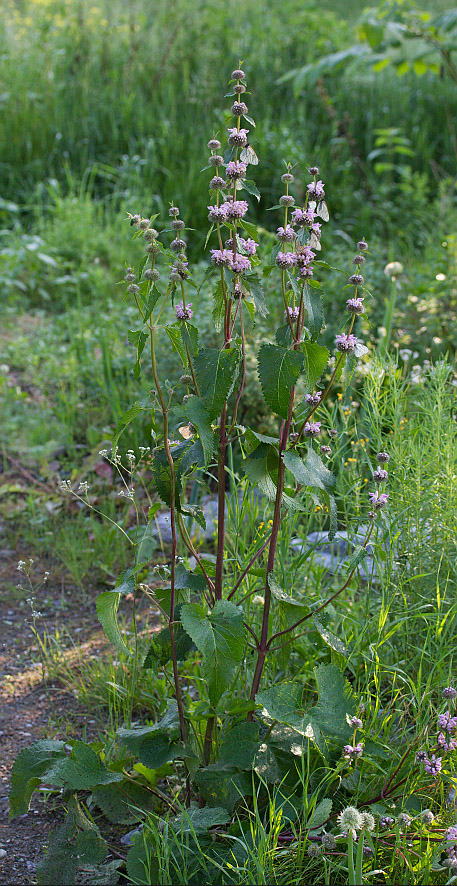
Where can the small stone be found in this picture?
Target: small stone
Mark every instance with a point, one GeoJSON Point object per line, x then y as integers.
{"type": "Point", "coordinates": [2, 853]}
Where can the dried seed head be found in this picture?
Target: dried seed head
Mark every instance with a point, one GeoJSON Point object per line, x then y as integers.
{"type": "Point", "coordinates": [177, 224]}
{"type": "Point", "coordinates": [177, 245]}
{"type": "Point", "coordinates": [313, 170]}
{"type": "Point", "coordinates": [151, 274]}
{"type": "Point", "coordinates": [150, 234]}
{"type": "Point", "coordinates": [218, 183]}
{"type": "Point", "coordinates": [287, 200]}
{"type": "Point", "coordinates": [362, 245]}
{"type": "Point", "coordinates": [328, 841]}
{"type": "Point", "coordinates": [287, 177]}
{"type": "Point", "coordinates": [214, 144]}
{"type": "Point", "coordinates": [152, 248]}
{"type": "Point", "coordinates": [215, 160]}
{"type": "Point", "coordinates": [238, 74]}
{"type": "Point", "coordinates": [238, 109]}
{"type": "Point", "coordinates": [186, 379]}
{"type": "Point", "coordinates": [383, 457]}
{"type": "Point", "coordinates": [326, 450]}
{"type": "Point", "coordinates": [358, 260]}
{"type": "Point", "coordinates": [173, 210]}
{"type": "Point", "coordinates": [239, 88]}
{"type": "Point", "coordinates": [144, 223]}
{"type": "Point", "coordinates": [356, 279]}
{"type": "Point", "coordinates": [313, 850]}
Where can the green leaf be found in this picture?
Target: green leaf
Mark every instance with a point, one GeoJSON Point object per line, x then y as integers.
{"type": "Point", "coordinates": [199, 417]}
{"type": "Point", "coordinates": [293, 609]}
{"type": "Point", "coordinates": [223, 786]}
{"type": "Point", "coordinates": [29, 766]}
{"type": "Point", "coordinates": [107, 606]}
{"type": "Point", "coordinates": [315, 310]}
{"type": "Point", "coordinates": [142, 864]}
{"type": "Point", "coordinates": [116, 799]}
{"type": "Point", "coordinates": [60, 864]}
{"type": "Point", "coordinates": [240, 746]}
{"type": "Point", "coordinates": [155, 745]}
{"type": "Point", "coordinates": [334, 642]}
{"type": "Point", "coordinates": [153, 297]}
{"type": "Point", "coordinates": [91, 848]}
{"type": "Point", "coordinates": [320, 815]}
{"type": "Point", "coordinates": [261, 468]}
{"type": "Point", "coordinates": [198, 821]}
{"type": "Point", "coordinates": [138, 339]}
{"type": "Point", "coordinates": [159, 652]}
{"type": "Point", "coordinates": [125, 419]}
{"type": "Point", "coordinates": [82, 771]}
{"type": "Point", "coordinates": [358, 556]}
{"type": "Point", "coordinates": [220, 637]}
{"type": "Point", "coordinates": [251, 188]}
{"type": "Point", "coordinates": [278, 370]}
{"type": "Point", "coordinates": [219, 307]}
{"type": "Point", "coordinates": [258, 294]}
{"type": "Point", "coordinates": [282, 702]}
{"type": "Point", "coordinates": [250, 229]}
{"type": "Point", "coordinates": [161, 470]}
{"type": "Point", "coordinates": [189, 335]}
{"type": "Point", "coordinates": [315, 359]}
{"type": "Point", "coordinates": [216, 373]}
{"type": "Point", "coordinates": [174, 334]}
{"type": "Point", "coordinates": [328, 717]}
{"type": "Point", "coordinates": [312, 473]}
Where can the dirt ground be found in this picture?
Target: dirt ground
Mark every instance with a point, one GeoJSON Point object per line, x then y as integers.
{"type": "Point", "coordinates": [31, 709]}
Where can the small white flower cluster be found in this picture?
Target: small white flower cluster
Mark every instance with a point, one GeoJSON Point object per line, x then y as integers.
{"type": "Point", "coordinates": [129, 493]}
{"type": "Point", "coordinates": [65, 485]}
{"type": "Point", "coordinates": [131, 457]}
{"type": "Point", "coordinates": [103, 453]}
{"type": "Point", "coordinates": [83, 487]}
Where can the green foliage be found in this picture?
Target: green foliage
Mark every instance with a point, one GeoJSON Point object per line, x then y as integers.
{"type": "Point", "coordinates": [216, 373]}
{"type": "Point", "coordinates": [279, 369]}
{"type": "Point", "coordinates": [220, 637]}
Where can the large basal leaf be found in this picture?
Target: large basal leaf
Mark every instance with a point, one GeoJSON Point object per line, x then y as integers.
{"type": "Point", "coordinates": [282, 702]}
{"type": "Point", "coordinates": [198, 821]}
{"type": "Point", "coordinates": [81, 771]}
{"type": "Point", "coordinates": [29, 766]}
{"type": "Point", "coordinates": [220, 637]}
{"type": "Point", "coordinates": [240, 746]}
{"type": "Point", "coordinates": [315, 359]}
{"type": "Point", "coordinates": [328, 716]}
{"type": "Point", "coordinates": [60, 864]}
{"type": "Point", "coordinates": [278, 370]}
{"type": "Point", "coordinates": [216, 372]}
{"type": "Point", "coordinates": [115, 800]}
{"type": "Point", "coordinates": [157, 744]}
{"type": "Point", "coordinates": [223, 786]}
